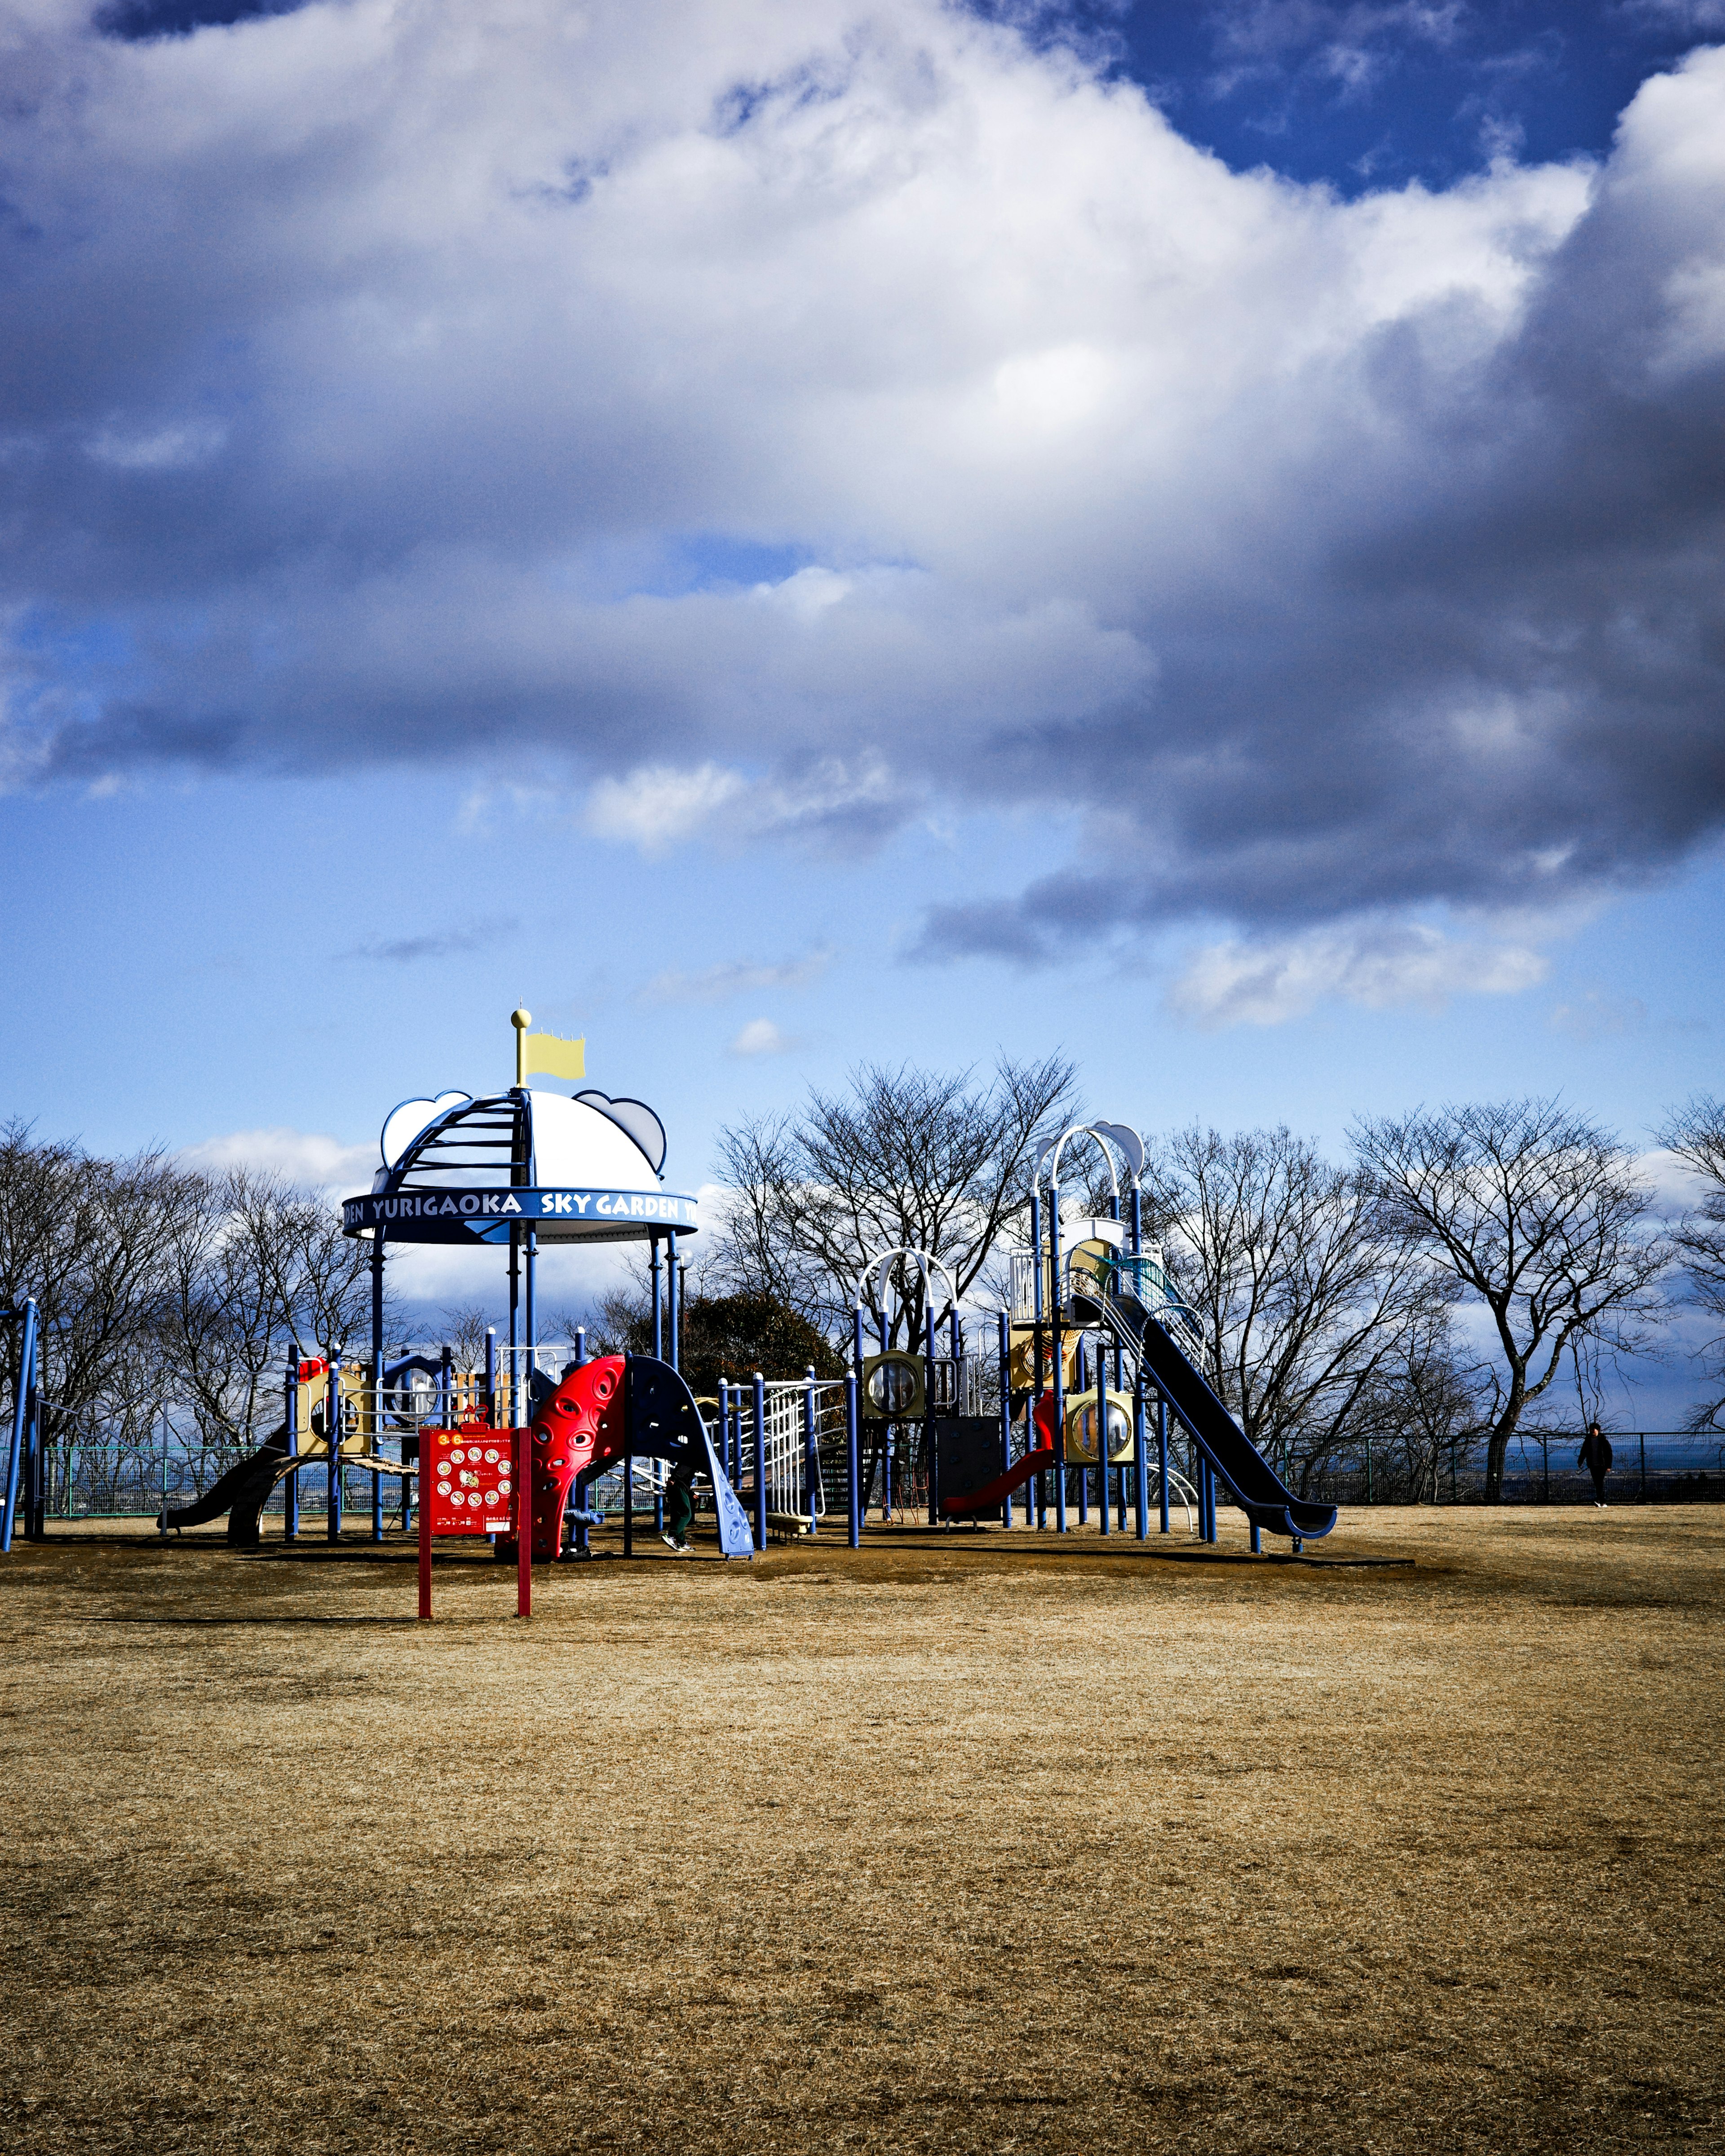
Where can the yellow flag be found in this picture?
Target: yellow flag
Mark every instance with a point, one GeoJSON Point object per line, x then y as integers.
{"type": "Point", "coordinates": [544, 1054]}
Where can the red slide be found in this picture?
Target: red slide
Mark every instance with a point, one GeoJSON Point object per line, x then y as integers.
{"type": "Point", "coordinates": [997, 1492]}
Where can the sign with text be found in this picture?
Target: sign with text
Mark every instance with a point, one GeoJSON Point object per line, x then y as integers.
{"type": "Point", "coordinates": [558, 1215]}
{"type": "Point", "coordinates": [467, 1478]}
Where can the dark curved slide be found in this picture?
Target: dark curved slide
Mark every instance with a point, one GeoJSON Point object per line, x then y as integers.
{"type": "Point", "coordinates": [1258, 1490]}
{"type": "Point", "coordinates": [241, 1493]}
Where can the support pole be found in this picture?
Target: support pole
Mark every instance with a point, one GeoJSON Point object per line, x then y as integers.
{"type": "Point", "coordinates": [629, 1459]}
{"type": "Point", "coordinates": [853, 1446]}
{"type": "Point", "coordinates": [290, 1496]}
{"type": "Point", "coordinates": [1141, 1457]}
{"type": "Point", "coordinates": [1162, 1457]}
{"type": "Point", "coordinates": [514, 1379]}
{"type": "Point", "coordinates": [1060, 1360]}
{"type": "Point", "coordinates": [673, 1304]}
{"type": "Point", "coordinates": [23, 1414]}
{"type": "Point", "coordinates": [332, 1440]}
{"type": "Point", "coordinates": [760, 1461]}
{"type": "Point", "coordinates": [1006, 1348]}
{"type": "Point", "coordinates": [1102, 1427]}
{"type": "Point", "coordinates": [653, 1262]}
{"type": "Point", "coordinates": [930, 1434]}
{"type": "Point", "coordinates": [377, 1429]}
{"type": "Point", "coordinates": [424, 1543]}
{"type": "Point", "coordinates": [530, 1317]}
{"type": "Point", "coordinates": [811, 1452]}
{"type": "Point", "coordinates": [1037, 1484]}
{"type": "Point", "coordinates": [854, 1408]}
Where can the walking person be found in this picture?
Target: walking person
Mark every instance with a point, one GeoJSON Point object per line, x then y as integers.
{"type": "Point", "coordinates": [1595, 1456]}
{"type": "Point", "coordinates": [678, 1507]}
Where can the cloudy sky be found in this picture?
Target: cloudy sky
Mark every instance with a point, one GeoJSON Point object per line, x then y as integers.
{"type": "Point", "coordinates": [782, 531]}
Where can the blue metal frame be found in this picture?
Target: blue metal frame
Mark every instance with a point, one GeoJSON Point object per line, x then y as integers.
{"type": "Point", "coordinates": [25, 1420]}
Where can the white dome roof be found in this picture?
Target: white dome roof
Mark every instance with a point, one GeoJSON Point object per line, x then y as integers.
{"type": "Point", "coordinates": [574, 1143]}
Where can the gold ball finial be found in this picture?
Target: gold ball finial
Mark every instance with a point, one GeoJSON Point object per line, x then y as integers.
{"type": "Point", "coordinates": [520, 1020]}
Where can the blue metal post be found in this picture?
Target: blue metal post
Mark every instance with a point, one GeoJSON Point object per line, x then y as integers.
{"type": "Point", "coordinates": [1059, 1372]}
{"type": "Point", "coordinates": [1005, 1344]}
{"type": "Point", "coordinates": [760, 1461]}
{"type": "Point", "coordinates": [514, 1319]}
{"type": "Point", "coordinates": [657, 1304]}
{"type": "Point", "coordinates": [23, 1414]}
{"type": "Point", "coordinates": [1102, 1431]}
{"type": "Point", "coordinates": [672, 1301]}
{"type": "Point", "coordinates": [853, 1447]}
{"type": "Point", "coordinates": [1082, 1373]}
{"type": "Point", "coordinates": [531, 1318]}
{"type": "Point", "coordinates": [1141, 1457]}
{"type": "Point", "coordinates": [931, 1437]}
{"type": "Point", "coordinates": [811, 1450]}
{"type": "Point", "coordinates": [332, 1440]}
{"type": "Point", "coordinates": [859, 1508]}
{"type": "Point", "coordinates": [1036, 1506]}
{"type": "Point", "coordinates": [628, 1458]}
{"type": "Point", "coordinates": [290, 1496]}
{"type": "Point", "coordinates": [1161, 1456]}
{"type": "Point", "coordinates": [377, 1433]}
{"type": "Point", "coordinates": [581, 1343]}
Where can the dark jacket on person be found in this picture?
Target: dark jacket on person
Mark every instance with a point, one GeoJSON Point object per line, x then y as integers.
{"type": "Point", "coordinates": [1596, 1453]}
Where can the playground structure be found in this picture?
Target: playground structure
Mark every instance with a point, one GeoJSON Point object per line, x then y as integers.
{"type": "Point", "coordinates": [1093, 1372]}
{"type": "Point", "coordinates": [1087, 1295]}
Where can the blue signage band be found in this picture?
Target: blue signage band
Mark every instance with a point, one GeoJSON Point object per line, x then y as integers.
{"type": "Point", "coordinates": [560, 1215]}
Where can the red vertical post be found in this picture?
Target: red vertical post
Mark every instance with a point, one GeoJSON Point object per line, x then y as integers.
{"type": "Point", "coordinates": [424, 1497]}
{"type": "Point", "coordinates": [524, 1522]}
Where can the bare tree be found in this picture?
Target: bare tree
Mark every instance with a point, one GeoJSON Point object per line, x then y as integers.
{"type": "Point", "coordinates": [1423, 1411]}
{"type": "Point", "coordinates": [1696, 1135]}
{"type": "Point", "coordinates": [1537, 1212]}
{"type": "Point", "coordinates": [1306, 1289]}
{"type": "Point", "coordinates": [90, 1240]}
{"type": "Point", "coordinates": [223, 1323]}
{"type": "Point", "coordinates": [463, 1334]}
{"type": "Point", "coordinates": [904, 1158]}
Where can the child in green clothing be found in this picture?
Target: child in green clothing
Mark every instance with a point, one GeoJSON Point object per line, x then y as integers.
{"type": "Point", "coordinates": [678, 1507]}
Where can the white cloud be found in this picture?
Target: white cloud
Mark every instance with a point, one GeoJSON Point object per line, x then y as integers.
{"type": "Point", "coordinates": [761, 1037]}
{"type": "Point", "coordinates": [310, 1158]}
{"type": "Point", "coordinates": [718, 985]}
{"type": "Point", "coordinates": [1266, 983]}
{"type": "Point", "coordinates": [654, 806]}
{"type": "Point", "coordinates": [1352, 557]}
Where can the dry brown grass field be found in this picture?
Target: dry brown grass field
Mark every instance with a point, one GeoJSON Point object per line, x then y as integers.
{"type": "Point", "coordinates": [967, 1842]}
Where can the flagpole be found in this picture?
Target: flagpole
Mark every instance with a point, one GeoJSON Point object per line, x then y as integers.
{"type": "Point", "coordinates": [521, 1020]}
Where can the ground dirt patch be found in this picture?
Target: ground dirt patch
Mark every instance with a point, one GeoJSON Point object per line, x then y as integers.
{"type": "Point", "coordinates": [968, 1842]}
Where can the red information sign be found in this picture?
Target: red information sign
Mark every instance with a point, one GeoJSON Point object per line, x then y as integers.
{"type": "Point", "coordinates": [470, 1484]}
{"type": "Point", "coordinates": [468, 1480]}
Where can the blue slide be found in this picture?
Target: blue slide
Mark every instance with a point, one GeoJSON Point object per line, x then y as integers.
{"type": "Point", "coordinates": [1258, 1490]}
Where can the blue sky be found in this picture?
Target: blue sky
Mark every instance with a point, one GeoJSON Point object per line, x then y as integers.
{"type": "Point", "coordinates": [1188, 535]}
